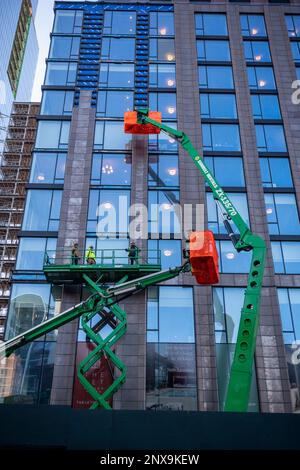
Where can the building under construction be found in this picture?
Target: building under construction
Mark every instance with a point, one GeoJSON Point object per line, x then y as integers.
{"type": "Point", "coordinates": [15, 168]}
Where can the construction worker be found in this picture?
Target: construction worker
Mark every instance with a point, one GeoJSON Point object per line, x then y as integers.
{"type": "Point", "coordinates": [75, 254]}
{"type": "Point", "coordinates": [133, 253]}
{"type": "Point", "coordinates": [90, 255]}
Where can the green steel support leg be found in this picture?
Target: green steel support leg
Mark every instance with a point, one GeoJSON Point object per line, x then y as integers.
{"type": "Point", "coordinates": [238, 391]}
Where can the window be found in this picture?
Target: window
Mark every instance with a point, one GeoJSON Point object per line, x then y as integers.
{"type": "Point", "coordinates": [61, 73]}
{"type": "Point", "coordinates": [161, 24]}
{"type": "Point", "coordinates": [171, 365]}
{"type": "Point", "coordinates": [163, 170]}
{"type": "Point", "coordinates": [117, 75]}
{"type": "Point", "coordinates": [282, 214]}
{"type": "Point", "coordinates": [110, 135]}
{"type": "Point", "coordinates": [221, 137]}
{"type": "Point", "coordinates": [111, 169]}
{"type": "Point", "coordinates": [261, 78]}
{"type": "Point", "coordinates": [276, 172]}
{"type": "Point", "coordinates": [293, 25]}
{"type": "Point", "coordinates": [213, 50]}
{"type": "Point", "coordinates": [265, 107]}
{"type": "Point", "coordinates": [257, 51]}
{"type": "Point", "coordinates": [165, 102]}
{"type": "Point", "coordinates": [170, 251]}
{"type": "Point", "coordinates": [19, 45]}
{"type": "Point", "coordinates": [215, 220]}
{"type": "Point", "coordinates": [217, 77]}
{"type": "Point", "coordinates": [31, 253]}
{"type": "Point", "coordinates": [163, 142]}
{"type": "Point", "coordinates": [68, 21]}
{"type": "Point", "coordinates": [270, 138]}
{"type": "Point", "coordinates": [219, 106]}
{"type": "Point", "coordinates": [119, 22]}
{"type": "Point", "coordinates": [230, 261]}
{"type": "Point", "coordinates": [227, 304]}
{"type": "Point", "coordinates": [253, 25]}
{"type": "Point", "coordinates": [64, 47]}
{"type": "Point", "coordinates": [42, 210]}
{"type": "Point", "coordinates": [296, 51]}
{"type": "Point", "coordinates": [162, 76]}
{"type": "Point", "coordinates": [162, 49]}
{"type": "Point", "coordinates": [48, 168]}
{"type": "Point", "coordinates": [211, 24]}
{"type": "Point", "coordinates": [57, 102]}
{"type": "Point", "coordinates": [52, 134]}
{"type": "Point", "coordinates": [114, 103]}
{"type": "Point", "coordinates": [289, 301]}
{"type": "Point", "coordinates": [298, 73]}
{"type": "Point", "coordinates": [108, 212]}
{"type": "Point", "coordinates": [30, 305]}
{"type": "Point", "coordinates": [109, 249]}
{"type": "Point", "coordinates": [286, 257]}
{"type": "Point", "coordinates": [228, 171]}
{"type": "Point", "coordinates": [163, 212]}
{"type": "Point", "coordinates": [118, 49]}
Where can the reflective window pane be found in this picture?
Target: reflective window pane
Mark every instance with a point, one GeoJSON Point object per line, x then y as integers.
{"type": "Point", "coordinates": [218, 77]}
{"type": "Point", "coordinates": [215, 220]}
{"type": "Point", "coordinates": [282, 214]}
{"type": "Point", "coordinates": [219, 106]}
{"type": "Point", "coordinates": [221, 137]}
{"type": "Point", "coordinates": [276, 172]}
{"type": "Point", "coordinates": [270, 138]}
{"type": "Point", "coordinates": [170, 252]}
{"type": "Point", "coordinates": [64, 47]}
{"type": "Point", "coordinates": [261, 78]}
{"type": "Point", "coordinates": [212, 24]}
{"type": "Point", "coordinates": [119, 22]}
{"type": "Point", "coordinates": [114, 103]}
{"type": "Point", "coordinates": [293, 25]}
{"type": "Point", "coordinates": [57, 102]}
{"type": "Point", "coordinates": [162, 49]}
{"type": "Point", "coordinates": [162, 76]}
{"type": "Point", "coordinates": [228, 171]}
{"type": "Point", "coordinates": [116, 75]}
{"type": "Point", "coordinates": [42, 210]}
{"type": "Point", "coordinates": [31, 253]}
{"type": "Point", "coordinates": [286, 257]}
{"type": "Point", "coordinates": [257, 51]}
{"type": "Point", "coordinates": [253, 25]}
{"type": "Point", "coordinates": [161, 24]}
{"type": "Point", "coordinates": [52, 134]}
{"type": "Point", "coordinates": [110, 135]}
{"type": "Point", "coordinates": [265, 107]}
{"type": "Point", "coordinates": [213, 50]}
{"type": "Point", "coordinates": [163, 170]}
{"type": "Point", "coordinates": [230, 260]}
{"type": "Point", "coordinates": [48, 167]}
{"type": "Point", "coordinates": [111, 169]}
{"type": "Point", "coordinates": [61, 73]}
{"type": "Point", "coordinates": [296, 51]}
{"type": "Point", "coordinates": [165, 103]}
{"type": "Point", "coordinates": [118, 48]}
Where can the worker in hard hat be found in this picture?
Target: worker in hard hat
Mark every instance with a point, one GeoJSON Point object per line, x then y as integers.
{"type": "Point", "coordinates": [133, 253]}
{"type": "Point", "coordinates": [90, 255]}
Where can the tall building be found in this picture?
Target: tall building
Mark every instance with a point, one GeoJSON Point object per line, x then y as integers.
{"type": "Point", "coordinates": [222, 72]}
{"type": "Point", "coordinates": [19, 53]}
{"type": "Point", "coordinates": [14, 175]}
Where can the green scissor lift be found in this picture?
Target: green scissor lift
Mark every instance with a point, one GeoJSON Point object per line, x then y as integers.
{"type": "Point", "coordinates": [129, 280]}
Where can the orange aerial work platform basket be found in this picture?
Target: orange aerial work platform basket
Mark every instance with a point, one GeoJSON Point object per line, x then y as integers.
{"type": "Point", "coordinates": [204, 257]}
{"type": "Point", "coordinates": [131, 126]}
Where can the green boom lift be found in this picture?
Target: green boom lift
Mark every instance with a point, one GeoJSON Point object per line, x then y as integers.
{"type": "Point", "coordinates": [104, 300]}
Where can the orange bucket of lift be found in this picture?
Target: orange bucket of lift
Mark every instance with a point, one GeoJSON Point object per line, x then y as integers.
{"type": "Point", "coordinates": [131, 125]}
{"type": "Point", "coordinates": [204, 257]}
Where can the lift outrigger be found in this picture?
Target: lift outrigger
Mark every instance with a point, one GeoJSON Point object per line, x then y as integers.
{"type": "Point", "coordinates": [104, 300]}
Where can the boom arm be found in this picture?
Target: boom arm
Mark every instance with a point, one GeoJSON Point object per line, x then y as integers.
{"type": "Point", "coordinates": [110, 294]}
{"type": "Point", "coordinates": [241, 371]}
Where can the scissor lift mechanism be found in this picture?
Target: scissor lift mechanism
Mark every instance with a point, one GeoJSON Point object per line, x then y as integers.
{"type": "Point", "coordinates": [104, 300]}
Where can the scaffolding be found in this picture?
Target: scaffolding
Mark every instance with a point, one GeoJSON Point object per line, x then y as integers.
{"type": "Point", "coordinates": [14, 174]}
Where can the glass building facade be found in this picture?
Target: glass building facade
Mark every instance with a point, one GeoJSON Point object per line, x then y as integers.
{"type": "Point", "coordinates": [19, 53]}
{"type": "Point", "coordinates": [221, 73]}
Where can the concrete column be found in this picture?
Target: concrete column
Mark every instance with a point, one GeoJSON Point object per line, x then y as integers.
{"type": "Point", "coordinates": [73, 229]}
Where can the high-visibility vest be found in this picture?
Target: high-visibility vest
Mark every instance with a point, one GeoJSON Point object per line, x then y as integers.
{"type": "Point", "coordinates": [90, 254]}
